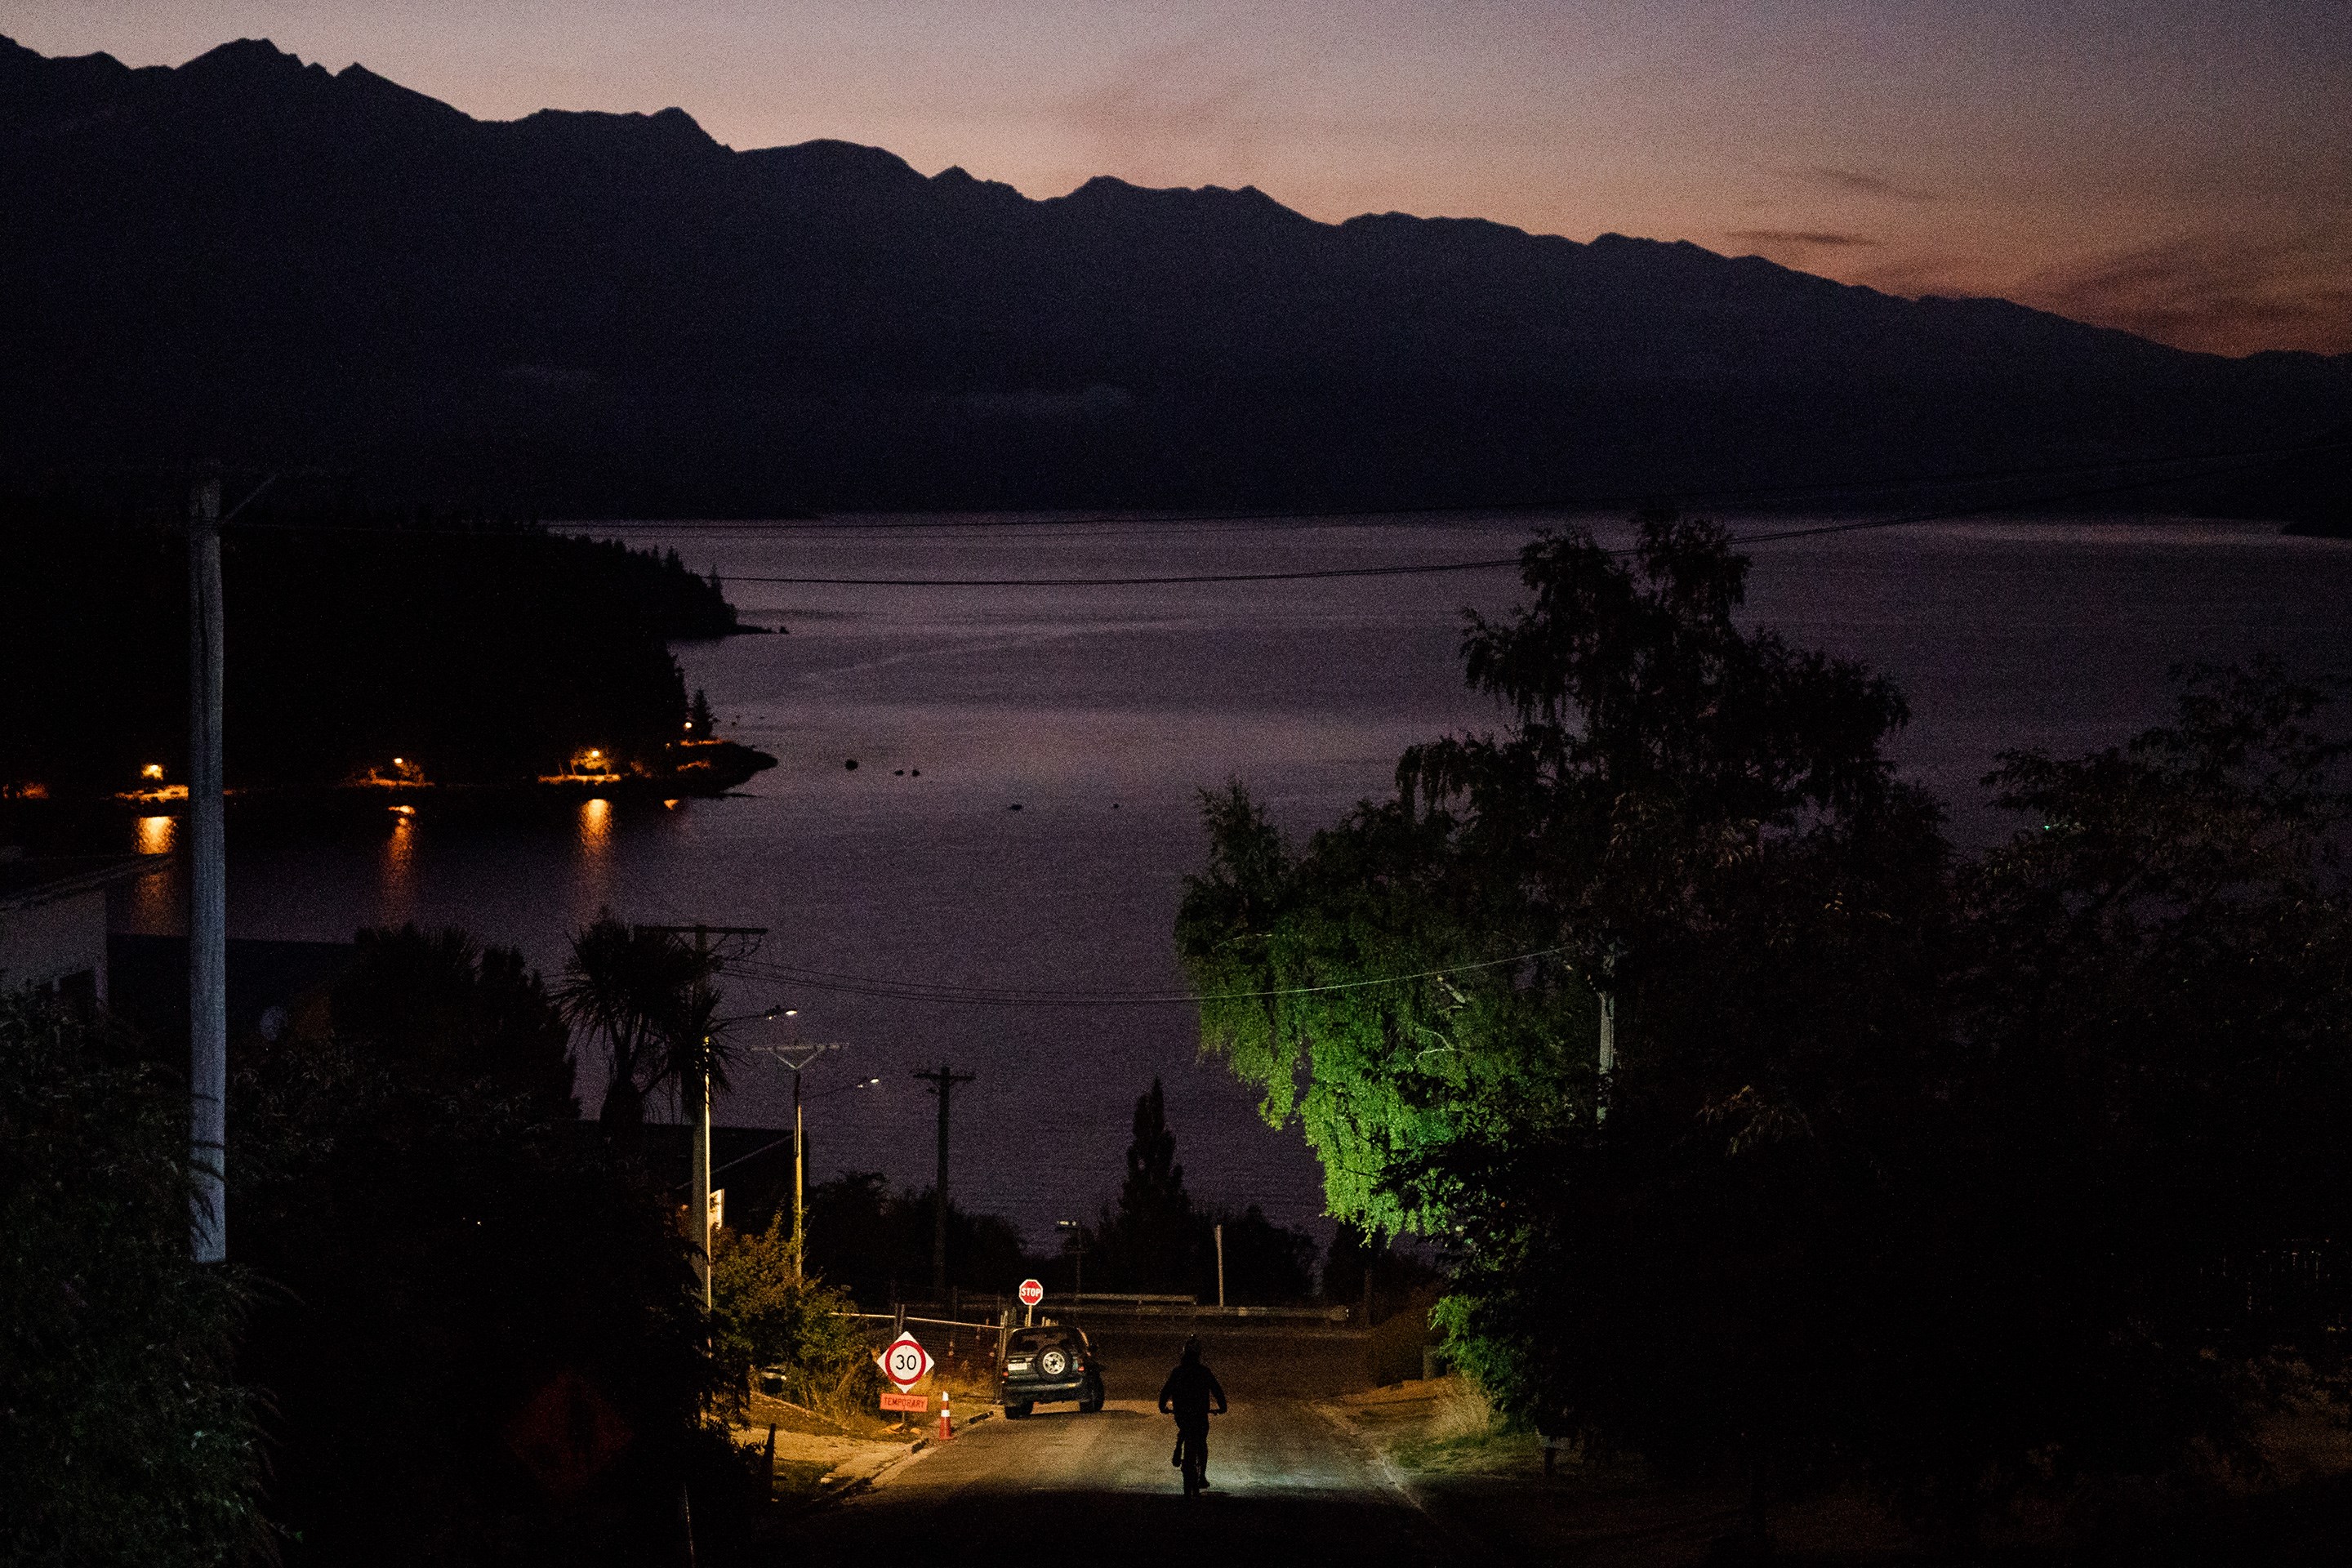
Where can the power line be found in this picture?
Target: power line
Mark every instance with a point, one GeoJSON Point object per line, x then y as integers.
{"type": "Point", "coordinates": [1729, 495]}
{"type": "Point", "coordinates": [1422, 569]}
{"type": "Point", "coordinates": [998, 996]}
{"type": "Point", "coordinates": [1259, 518]}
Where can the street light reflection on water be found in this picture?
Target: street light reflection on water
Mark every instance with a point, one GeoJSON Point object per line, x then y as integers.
{"type": "Point", "coordinates": [398, 879]}
{"type": "Point", "coordinates": [595, 827]}
{"type": "Point", "coordinates": [155, 897]}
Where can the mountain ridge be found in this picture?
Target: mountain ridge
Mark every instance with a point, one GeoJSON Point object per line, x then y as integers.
{"type": "Point", "coordinates": [616, 311]}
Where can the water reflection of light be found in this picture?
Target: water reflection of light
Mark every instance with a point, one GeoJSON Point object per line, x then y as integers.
{"type": "Point", "coordinates": [399, 881]}
{"type": "Point", "coordinates": [595, 825]}
{"type": "Point", "coordinates": [156, 907]}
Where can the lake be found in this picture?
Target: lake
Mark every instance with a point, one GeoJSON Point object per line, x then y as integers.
{"type": "Point", "coordinates": [1099, 712]}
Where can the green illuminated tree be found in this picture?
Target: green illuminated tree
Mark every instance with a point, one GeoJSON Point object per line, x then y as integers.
{"type": "Point", "coordinates": [1967, 1176]}
{"type": "Point", "coordinates": [1696, 818]}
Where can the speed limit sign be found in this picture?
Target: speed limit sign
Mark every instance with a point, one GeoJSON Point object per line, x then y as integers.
{"type": "Point", "coordinates": [904, 1362]}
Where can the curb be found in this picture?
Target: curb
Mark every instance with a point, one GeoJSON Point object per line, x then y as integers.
{"type": "Point", "coordinates": [1380, 1462]}
{"type": "Point", "coordinates": [863, 1483]}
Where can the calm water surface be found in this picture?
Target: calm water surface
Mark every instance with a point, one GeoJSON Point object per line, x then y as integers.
{"type": "Point", "coordinates": [1101, 712]}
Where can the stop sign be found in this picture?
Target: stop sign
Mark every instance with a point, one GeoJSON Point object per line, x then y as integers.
{"type": "Point", "coordinates": [904, 1362]}
{"type": "Point", "coordinates": [1031, 1292]}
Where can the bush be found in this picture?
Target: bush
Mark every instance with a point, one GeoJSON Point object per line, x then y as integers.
{"type": "Point", "coordinates": [769, 1320]}
{"type": "Point", "coordinates": [123, 1436]}
{"type": "Point", "coordinates": [468, 1281]}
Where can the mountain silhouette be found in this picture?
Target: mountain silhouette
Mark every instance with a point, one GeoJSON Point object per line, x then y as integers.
{"type": "Point", "coordinates": [253, 260]}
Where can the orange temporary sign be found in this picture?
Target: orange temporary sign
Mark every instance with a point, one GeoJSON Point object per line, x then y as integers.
{"type": "Point", "coordinates": [915, 1402]}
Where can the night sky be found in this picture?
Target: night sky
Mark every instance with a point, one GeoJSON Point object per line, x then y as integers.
{"type": "Point", "coordinates": [2180, 170]}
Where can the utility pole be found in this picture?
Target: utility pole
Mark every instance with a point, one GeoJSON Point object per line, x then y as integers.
{"type": "Point", "coordinates": [1074, 1241]}
{"type": "Point", "coordinates": [943, 1084]}
{"type": "Point", "coordinates": [1607, 1032]}
{"type": "Point", "coordinates": [798, 1056]}
{"type": "Point", "coordinates": [695, 1088]}
{"type": "Point", "coordinates": [1220, 1263]}
{"type": "Point", "coordinates": [694, 1094]}
{"type": "Point", "coordinates": [207, 884]}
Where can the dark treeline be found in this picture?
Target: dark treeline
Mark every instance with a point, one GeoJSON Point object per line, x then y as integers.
{"type": "Point", "coordinates": [1977, 1178]}
{"type": "Point", "coordinates": [1156, 1238]}
{"type": "Point", "coordinates": [477, 649]}
{"type": "Point", "coordinates": [877, 1243]}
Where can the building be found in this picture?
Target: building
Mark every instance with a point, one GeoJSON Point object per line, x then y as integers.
{"type": "Point", "coordinates": [53, 922]}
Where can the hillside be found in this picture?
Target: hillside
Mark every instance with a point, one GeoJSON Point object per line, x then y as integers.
{"type": "Point", "coordinates": [255, 260]}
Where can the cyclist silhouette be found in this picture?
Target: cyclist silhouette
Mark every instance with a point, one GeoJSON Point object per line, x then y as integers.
{"type": "Point", "coordinates": [1192, 1394]}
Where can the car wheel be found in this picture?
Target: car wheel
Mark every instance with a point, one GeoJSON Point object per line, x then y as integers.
{"type": "Point", "coordinates": [1092, 1402]}
{"type": "Point", "coordinates": [1018, 1412]}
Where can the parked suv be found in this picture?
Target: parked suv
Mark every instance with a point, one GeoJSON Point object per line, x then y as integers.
{"type": "Point", "coordinates": [1044, 1364]}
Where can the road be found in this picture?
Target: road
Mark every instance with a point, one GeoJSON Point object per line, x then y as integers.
{"type": "Point", "coordinates": [1062, 1488]}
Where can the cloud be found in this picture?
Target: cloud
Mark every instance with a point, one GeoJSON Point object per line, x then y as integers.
{"type": "Point", "coordinates": [1804, 236]}
{"type": "Point", "coordinates": [2220, 293]}
{"type": "Point", "coordinates": [1860, 183]}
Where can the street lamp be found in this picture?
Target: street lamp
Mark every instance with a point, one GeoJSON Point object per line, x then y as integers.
{"type": "Point", "coordinates": [698, 1129]}
{"type": "Point", "coordinates": [799, 1055]}
{"type": "Point", "coordinates": [1073, 1241]}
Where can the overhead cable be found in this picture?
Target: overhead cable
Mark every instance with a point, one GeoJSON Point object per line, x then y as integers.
{"type": "Point", "coordinates": [1003, 997]}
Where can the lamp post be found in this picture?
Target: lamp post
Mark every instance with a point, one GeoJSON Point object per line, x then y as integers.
{"type": "Point", "coordinates": [698, 1132]}
{"type": "Point", "coordinates": [799, 1055]}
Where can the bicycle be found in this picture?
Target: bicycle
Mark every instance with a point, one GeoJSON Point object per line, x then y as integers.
{"type": "Point", "coordinates": [1192, 1457]}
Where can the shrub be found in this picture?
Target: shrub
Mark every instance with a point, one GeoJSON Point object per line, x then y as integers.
{"type": "Point", "coordinates": [123, 1436]}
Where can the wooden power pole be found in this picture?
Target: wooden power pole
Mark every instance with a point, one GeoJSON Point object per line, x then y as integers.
{"type": "Point", "coordinates": [943, 1084]}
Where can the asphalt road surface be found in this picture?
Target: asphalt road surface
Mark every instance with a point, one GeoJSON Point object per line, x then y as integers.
{"type": "Point", "coordinates": [1061, 1488]}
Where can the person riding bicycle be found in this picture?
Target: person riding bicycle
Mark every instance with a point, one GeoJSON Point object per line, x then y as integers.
{"type": "Point", "coordinates": [1191, 1394]}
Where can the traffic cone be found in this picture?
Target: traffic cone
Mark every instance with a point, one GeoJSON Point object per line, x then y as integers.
{"type": "Point", "coordinates": [947, 1424]}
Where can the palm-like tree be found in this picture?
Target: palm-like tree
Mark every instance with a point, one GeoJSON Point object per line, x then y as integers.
{"type": "Point", "coordinates": [646, 995]}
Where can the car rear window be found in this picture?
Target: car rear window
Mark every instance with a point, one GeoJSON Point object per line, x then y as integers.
{"type": "Point", "coordinates": [1038, 1338]}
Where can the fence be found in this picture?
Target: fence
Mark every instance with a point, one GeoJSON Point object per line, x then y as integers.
{"type": "Point", "coordinates": [964, 1352]}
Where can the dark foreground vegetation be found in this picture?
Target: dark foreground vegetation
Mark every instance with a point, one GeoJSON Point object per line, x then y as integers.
{"type": "Point", "coordinates": [1997, 1182]}
{"type": "Point", "coordinates": [474, 651]}
{"type": "Point", "coordinates": [460, 1324]}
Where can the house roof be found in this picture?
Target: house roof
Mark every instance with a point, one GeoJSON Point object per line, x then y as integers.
{"type": "Point", "coordinates": [28, 880]}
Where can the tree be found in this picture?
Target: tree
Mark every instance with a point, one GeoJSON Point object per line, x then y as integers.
{"type": "Point", "coordinates": [1698, 821]}
{"type": "Point", "coordinates": [871, 1240]}
{"type": "Point", "coordinates": [435, 1232]}
{"type": "Point", "coordinates": [699, 722]}
{"type": "Point", "coordinates": [1266, 1264]}
{"type": "Point", "coordinates": [125, 1435]}
{"type": "Point", "coordinates": [456, 1011]}
{"type": "Point", "coordinates": [2150, 1071]}
{"type": "Point", "coordinates": [1964, 1174]}
{"type": "Point", "coordinates": [644, 995]}
{"type": "Point", "coordinates": [1151, 1241]}
{"type": "Point", "coordinates": [769, 1317]}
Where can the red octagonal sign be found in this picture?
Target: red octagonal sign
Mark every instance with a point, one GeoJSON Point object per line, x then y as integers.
{"type": "Point", "coordinates": [1031, 1292]}
{"type": "Point", "coordinates": [904, 1362]}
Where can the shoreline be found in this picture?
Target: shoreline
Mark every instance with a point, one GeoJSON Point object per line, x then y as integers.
{"type": "Point", "coordinates": [708, 779]}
